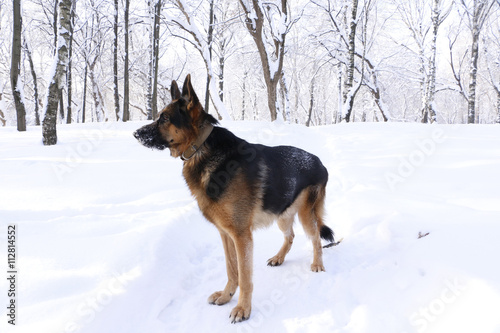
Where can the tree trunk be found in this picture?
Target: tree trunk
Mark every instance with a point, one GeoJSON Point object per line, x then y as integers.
{"type": "Point", "coordinates": [69, 112]}
{"type": "Point", "coordinates": [430, 112]}
{"type": "Point", "coordinates": [61, 103]}
{"type": "Point", "coordinates": [126, 112]}
{"type": "Point", "coordinates": [348, 96]}
{"type": "Point", "coordinates": [311, 101]}
{"type": "Point", "coordinates": [156, 59]}
{"type": "Point", "coordinates": [243, 104]}
{"type": "Point", "coordinates": [471, 109]}
{"type": "Point", "coordinates": [115, 64]}
{"type": "Point", "coordinates": [221, 76]}
{"type": "Point", "coordinates": [210, 35]}
{"type": "Point", "coordinates": [84, 99]}
{"type": "Point", "coordinates": [96, 94]}
{"type": "Point", "coordinates": [272, 64]}
{"type": "Point", "coordinates": [15, 68]}
{"type": "Point", "coordinates": [498, 107]}
{"type": "Point", "coordinates": [2, 115]}
{"type": "Point", "coordinates": [285, 98]}
{"type": "Point", "coordinates": [60, 65]}
{"type": "Point", "coordinates": [424, 116]}
{"type": "Point", "coordinates": [35, 84]}
{"type": "Point", "coordinates": [85, 71]}
{"type": "Point", "coordinates": [480, 11]}
{"type": "Point", "coordinates": [154, 36]}
{"type": "Point", "coordinates": [375, 90]}
{"type": "Point", "coordinates": [187, 24]}
{"type": "Point", "coordinates": [149, 88]}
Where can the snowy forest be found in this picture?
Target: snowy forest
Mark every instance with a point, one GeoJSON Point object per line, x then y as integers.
{"type": "Point", "coordinates": [310, 62]}
{"type": "Point", "coordinates": [99, 234]}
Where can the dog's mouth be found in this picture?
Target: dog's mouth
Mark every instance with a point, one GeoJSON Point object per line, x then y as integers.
{"type": "Point", "coordinates": [148, 138]}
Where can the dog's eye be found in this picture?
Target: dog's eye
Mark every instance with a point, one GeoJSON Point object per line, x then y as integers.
{"type": "Point", "coordinates": [164, 118]}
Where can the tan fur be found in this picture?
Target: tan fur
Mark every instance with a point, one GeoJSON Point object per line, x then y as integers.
{"type": "Point", "coordinates": [179, 139]}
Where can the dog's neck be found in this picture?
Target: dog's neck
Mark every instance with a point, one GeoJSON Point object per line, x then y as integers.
{"type": "Point", "coordinates": [196, 145]}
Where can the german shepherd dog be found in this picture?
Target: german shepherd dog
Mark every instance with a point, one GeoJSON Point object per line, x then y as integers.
{"type": "Point", "coordinates": [240, 187]}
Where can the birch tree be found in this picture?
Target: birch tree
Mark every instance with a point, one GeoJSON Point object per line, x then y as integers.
{"type": "Point", "coordinates": [98, 36]}
{"type": "Point", "coordinates": [423, 19]}
{"type": "Point", "coordinates": [59, 67]}
{"type": "Point", "coordinates": [349, 49]}
{"type": "Point", "coordinates": [210, 38]}
{"type": "Point", "coordinates": [349, 91]}
{"type": "Point", "coordinates": [28, 53]}
{"type": "Point", "coordinates": [492, 59]}
{"type": "Point", "coordinates": [126, 88]}
{"type": "Point", "coordinates": [154, 38]}
{"type": "Point", "coordinates": [116, 94]}
{"type": "Point", "coordinates": [69, 76]}
{"type": "Point", "coordinates": [2, 115]}
{"type": "Point", "coordinates": [15, 68]}
{"type": "Point", "coordinates": [477, 12]}
{"type": "Point", "coordinates": [268, 24]}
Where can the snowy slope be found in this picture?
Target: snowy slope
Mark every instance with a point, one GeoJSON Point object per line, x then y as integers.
{"type": "Point", "coordinates": [110, 240]}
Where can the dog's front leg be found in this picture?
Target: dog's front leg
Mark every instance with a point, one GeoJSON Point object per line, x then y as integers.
{"type": "Point", "coordinates": [224, 296]}
{"type": "Point", "coordinates": [244, 250]}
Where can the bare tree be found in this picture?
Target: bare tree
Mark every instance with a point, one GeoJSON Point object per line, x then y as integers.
{"type": "Point", "coordinates": [116, 94]}
{"type": "Point", "coordinates": [492, 60]}
{"type": "Point", "coordinates": [458, 67]}
{"type": "Point", "coordinates": [2, 115]}
{"type": "Point", "coordinates": [28, 53]}
{"type": "Point", "coordinates": [154, 11]}
{"type": "Point", "coordinates": [349, 91]}
{"type": "Point", "coordinates": [348, 23]}
{"type": "Point", "coordinates": [311, 97]}
{"type": "Point", "coordinates": [477, 12]}
{"type": "Point", "coordinates": [156, 57]}
{"type": "Point", "coordinates": [126, 89]}
{"type": "Point", "coordinates": [429, 112]}
{"type": "Point", "coordinates": [268, 24]}
{"type": "Point", "coordinates": [224, 45]}
{"type": "Point", "coordinates": [424, 32]}
{"type": "Point", "coordinates": [98, 36]}
{"type": "Point", "coordinates": [186, 21]}
{"type": "Point", "coordinates": [69, 76]}
{"type": "Point", "coordinates": [15, 67]}
{"type": "Point", "coordinates": [60, 66]}
{"type": "Point", "coordinates": [210, 38]}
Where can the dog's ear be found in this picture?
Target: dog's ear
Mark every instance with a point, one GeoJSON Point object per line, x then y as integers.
{"type": "Point", "coordinates": [188, 91]}
{"type": "Point", "coordinates": [174, 91]}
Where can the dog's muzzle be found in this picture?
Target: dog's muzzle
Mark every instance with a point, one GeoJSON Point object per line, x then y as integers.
{"type": "Point", "coordinates": [148, 137]}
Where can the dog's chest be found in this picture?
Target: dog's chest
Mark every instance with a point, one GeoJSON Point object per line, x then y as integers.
{"type": "Point", "coordinates": [197, 180]}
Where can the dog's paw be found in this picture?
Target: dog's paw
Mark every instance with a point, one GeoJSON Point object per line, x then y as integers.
{"type": "Point", "coordinates": [275, 261]}
{"type": "Point", "coordinates": [317, 268]}
{"type": "Point", "coordinates": [219, 298]}
{"type": "Point", "coordinates": [240, 313]}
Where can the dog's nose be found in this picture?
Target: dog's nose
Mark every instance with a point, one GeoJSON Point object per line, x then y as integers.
{"type": "Point", "coordinates": [136, 135]}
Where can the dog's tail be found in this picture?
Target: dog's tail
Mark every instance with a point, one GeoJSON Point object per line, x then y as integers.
{"type": "Point", "coordinates": [327, 234]}
{"type": "Point", "coordinates": [317, 198]}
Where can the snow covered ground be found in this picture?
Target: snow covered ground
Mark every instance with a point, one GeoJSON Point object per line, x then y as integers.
{"type": "Point", "coordinates": [110, 240]}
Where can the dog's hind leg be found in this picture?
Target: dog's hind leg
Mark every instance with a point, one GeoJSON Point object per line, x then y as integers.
{"type": "Point", "coordinates": [311, 217]}
{"type": "Point", "coordinates": [224, 296]}
{"type": "Point", "coordinates": [285, 223]}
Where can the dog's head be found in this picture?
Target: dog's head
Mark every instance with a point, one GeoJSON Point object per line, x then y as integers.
{"type": "Point", "coordinates": [178, 124]}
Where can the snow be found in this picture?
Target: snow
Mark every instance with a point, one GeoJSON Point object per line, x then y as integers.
{"type": "Point", "coordinates": [110, 240]}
